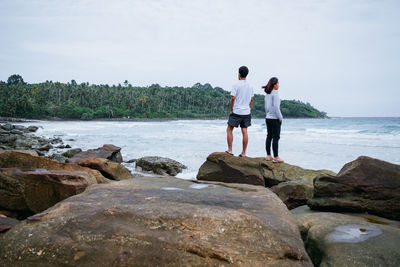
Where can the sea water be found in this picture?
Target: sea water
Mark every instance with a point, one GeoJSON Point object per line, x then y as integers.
{"type": "Point", "coordinates": [309, 143]}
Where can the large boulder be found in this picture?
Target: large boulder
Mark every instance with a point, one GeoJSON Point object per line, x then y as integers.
{"type": "Point", "coordinates": [293, 193]}
{"type": "Point", "coordinates": [150, 221]}
{"type": "Point", "coordinates": [334, 239]}
{"type": "Point", "coordinates": [223, 167]}
{"type": "Point", "coordinates": [109, 169]}
{"type": "Point", "coordinates": [107, 151]}
{"type": "Point", "coordinates": [363, 185]}
{"type": "Point", "coordinates": [14, 159]}
{"type": "Point", "coordinates": [160, 165]}
{"type": "Point", "coordinates": [36, 190]}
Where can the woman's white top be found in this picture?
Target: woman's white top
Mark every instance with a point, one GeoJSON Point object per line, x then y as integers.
{"type": "Point", "coordinates": [273, 106]}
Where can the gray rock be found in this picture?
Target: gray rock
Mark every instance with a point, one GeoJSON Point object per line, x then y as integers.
{"type": "Point", "coordinates": [107, 151]}
{"type": "Point", "coordinates": [33, 128]}
{"type": "Point", "coordinates": [72, 152]}
{"type": "Point", "coordinates": [155, 222]}
{"type": "Point", "coordinates": [7, 126]}
{"type": "Point", "coordinates": [15, 131]}
{"type": "Point", "coordinates": [46, 147]}
{"type": "Point", "coordinates": [58, 157]}
{"type": "Point", "coordinates": [160, 165]}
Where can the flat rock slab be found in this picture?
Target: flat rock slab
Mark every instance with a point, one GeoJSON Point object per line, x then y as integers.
{"type": "Point", "coordinates": [15, 159]}
{"type": "Point", "coordinates": [363, 185]}
{"type": "Point", "coordinates": [153, 221]}
{"type": "Point", "coordinates": [225, 168]}
{"type": "Point", "coordinates": [334, 239]}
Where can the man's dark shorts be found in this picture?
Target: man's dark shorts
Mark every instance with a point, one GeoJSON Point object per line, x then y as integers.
{"type": "Point", "coordinates": [243, 120]}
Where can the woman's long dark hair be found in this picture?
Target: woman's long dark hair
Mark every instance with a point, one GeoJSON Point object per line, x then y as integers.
{"type": "Point", "coordinates": [270, 85]}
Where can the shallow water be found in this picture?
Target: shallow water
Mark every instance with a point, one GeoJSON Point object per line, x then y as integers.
{"type": "Point", "coordinates": [309, 143]}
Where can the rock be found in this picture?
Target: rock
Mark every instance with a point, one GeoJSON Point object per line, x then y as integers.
{"type": "Point", "coordinates": [67, 146]}
{"type": "Point", "coordinates": [257, 171]}
{"type": "Point", "coordinates": [7, 126]}
{"type": "Point", "coordinates": [58, 157]}
{"type": "Point", "coordinates": [46, 147]}
{"type": "Point", "coordinates": [7, 223]}
{"type": "Point", "coordinates": [29, 152]}
{"type": "Point", "coordinates": [13, 159]}
{"type": "Point", "coordinates": [160, 165]}
{"type": "Point", "coordinates": [109, 169]}
{"type": "Point", "coordinates": [15, 131]}
{"type": "Point", "coordinates": [364, 185]}
{"type": "Point", "coordinates": [334, 239]}
{"type": "Point", "coordinates": [293, 193]}
{"type": "Point", "coordinates": [55, 140]}
{"type": "Point", "coordinates": [72, 152]}
{"type": "Point", "coordinates": [33, 128]}
{"type": "Point", "coordinates": [131, 161]}
{"type": "Point", "coordinates": [20, 128]}
{"type": "Point", "coordinates": [39, 189]}
{"type": "Point", "coordinates": [107, 151]}
{"type": "Point", "coordinates": [155, 222]}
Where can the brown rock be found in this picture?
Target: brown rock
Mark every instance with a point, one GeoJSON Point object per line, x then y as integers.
{"type": "Point", "coordinates": [7, 223]}
{"type": "Point", "coordinates": [364, 185]}
{"type": "Point", "coordinates": [36, 190]}
{"type": "Point", "coordinates": [153, 221]}
{"type": "Point", "coordinates": [14, 159]}
{"type": "Point", "coordinates": [257, 171]}
{"type": "Point", "coordinates": [107, 151]}
{"type": "Point", "coordinates": [109, 169]}
{"type": "Point", "coordinates": [293, 193]}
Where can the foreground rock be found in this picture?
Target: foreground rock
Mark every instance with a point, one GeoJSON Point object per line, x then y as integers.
{"type": "Point", "coordinates": [160, 165]}
{"type": "Point", "coordinates": [14, 159]}
{"type": "Point", "coordinates": [334, 239]}
{"type": "Point", "coordinates": [257, 171]}
{"type": "Point", "coordinates": [293, 193]}
{"type": "Point", "coordinates": [7, 223]}
{"type": "Point", "coordinates": [107, 151]}
{"type": "Point", "coordinates": [109, 169]}
{"type": "Point", "coordinates": [154, 222]}
{"type": "Point", "coordinates": [30, 192]}
{"type": "Point", "coordinates": [364, 185]}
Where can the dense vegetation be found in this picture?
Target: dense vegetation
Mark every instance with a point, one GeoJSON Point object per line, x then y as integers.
{"type": "Point", "coordinates": [84, 101]}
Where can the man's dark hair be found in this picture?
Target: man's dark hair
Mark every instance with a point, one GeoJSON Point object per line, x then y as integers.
{"type": "Point", "coordinates": [243, 71]}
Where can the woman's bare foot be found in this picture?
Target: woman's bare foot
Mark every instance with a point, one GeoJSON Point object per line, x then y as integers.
{"type": "Point", "coordinates": [277, 160]}
{"type": "Point", "coordinates": [268, 157]}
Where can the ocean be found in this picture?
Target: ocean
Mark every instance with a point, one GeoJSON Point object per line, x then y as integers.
{"type": "Point", "coordinates": [308, 143]}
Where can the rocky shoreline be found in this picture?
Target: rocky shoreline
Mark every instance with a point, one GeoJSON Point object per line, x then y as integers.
{"type": "Point", "coordinates": [87, 209]}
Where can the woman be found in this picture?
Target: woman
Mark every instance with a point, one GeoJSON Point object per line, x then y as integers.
{"type": "Point", "coordinates": [273, 118]}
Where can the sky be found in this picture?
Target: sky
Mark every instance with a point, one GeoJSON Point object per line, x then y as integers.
{"type": "Point", "coordinates": [342, 56]}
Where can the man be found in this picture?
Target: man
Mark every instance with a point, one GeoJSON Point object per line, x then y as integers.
{"type": "Point", "coordinates": [240, 108]}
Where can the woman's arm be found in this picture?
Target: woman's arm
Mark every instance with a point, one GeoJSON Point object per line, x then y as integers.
{"type": "Point", "coordinates": [277, 106]}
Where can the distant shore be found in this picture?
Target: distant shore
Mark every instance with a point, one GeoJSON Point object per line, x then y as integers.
{"type": "Point", "coordinates": [7, 119]}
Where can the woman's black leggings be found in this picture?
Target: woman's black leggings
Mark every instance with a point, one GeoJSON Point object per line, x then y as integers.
{"type": "Point", "coordinates": [274, 132]}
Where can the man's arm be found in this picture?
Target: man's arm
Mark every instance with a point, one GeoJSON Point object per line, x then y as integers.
{"type": "Point", "coordinates": [232, 103]}
{"type": "Point", "coordinates": [251, 103]}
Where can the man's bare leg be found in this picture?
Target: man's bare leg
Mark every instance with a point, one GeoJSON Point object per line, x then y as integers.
{"type": "Point", "coordinates": [229, 137]}
{"type": "Point", "coordinates": [245, 141]}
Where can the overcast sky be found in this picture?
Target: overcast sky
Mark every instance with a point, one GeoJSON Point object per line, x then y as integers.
{"type": "Point", "coordinates": [342, 56]}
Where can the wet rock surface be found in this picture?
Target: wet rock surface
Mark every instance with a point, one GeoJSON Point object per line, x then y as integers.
{"type": "Point", "coordinates": [107, 151]}
{"type": "Point", "coordinates": [294, 193]}
{"type": "Point", "coordinates": [152, 221]}
{"type": "Point", "coordinates": [363, 185]}
{"type": "Point", "coordinates": [223, 167]}
{"type": "Point", "coordinates": [334, 239]}
{"type": "Point", "coordinates": [160, 165]}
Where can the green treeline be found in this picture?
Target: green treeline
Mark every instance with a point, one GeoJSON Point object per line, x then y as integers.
{"type": "Point", "coordinates": [83, 101]}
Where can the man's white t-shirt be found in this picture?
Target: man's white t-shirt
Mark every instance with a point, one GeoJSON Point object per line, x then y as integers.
{"type": "Point", "coordinates": [243, 92]}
